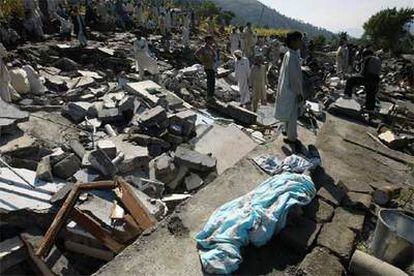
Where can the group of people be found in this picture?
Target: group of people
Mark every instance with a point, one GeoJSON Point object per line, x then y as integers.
{"type": "Point", "coordinates": [72, 16]}
{"type": "Point", "coordinates": [251, 72]}
{"type": "Point", "coordinates": [367, 65]}
{"type": "Point", "coordinates": [253, 57]}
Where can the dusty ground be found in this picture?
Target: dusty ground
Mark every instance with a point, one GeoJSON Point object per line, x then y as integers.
{"type": "Point", "coordinates": [171, 249]}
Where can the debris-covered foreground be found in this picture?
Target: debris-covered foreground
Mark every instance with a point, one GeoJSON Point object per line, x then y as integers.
{"type": "Point", "coordinates": [95, 159]}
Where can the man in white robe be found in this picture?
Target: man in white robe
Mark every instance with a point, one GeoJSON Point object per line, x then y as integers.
{"type": "Point", "coordinates": [249, 41]}
{"type": "Point", "coordinates": [342, 56]}
{"type": "Point", "coordinates": [242, 71]}
{"type": "Point", "coordinates": [289, 90]}
{"type": "Point", "coordinates": [234, 41]}
{"type": "Point", "coordinates": [143, 60]}
{"type": "Point", "coordinates": [4, 77]}
{"type": "Point", "coordinates": [186, 35]}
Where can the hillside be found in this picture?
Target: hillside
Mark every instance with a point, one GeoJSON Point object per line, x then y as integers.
{"type": "Point", "coordinates": [252, 11]}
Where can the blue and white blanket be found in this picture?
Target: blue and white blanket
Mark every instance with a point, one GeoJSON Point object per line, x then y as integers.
{"type": "Point", "coordinates": [254, 217]}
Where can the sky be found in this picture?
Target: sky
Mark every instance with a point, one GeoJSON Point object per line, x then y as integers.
{"type": "Point", "coordinates": [335, 15]}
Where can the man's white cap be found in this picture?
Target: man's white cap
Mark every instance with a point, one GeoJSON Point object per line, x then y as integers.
{"type": "Point", "coordinates": [238, 53]}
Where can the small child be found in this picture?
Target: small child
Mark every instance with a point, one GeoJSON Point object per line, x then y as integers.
{"type": "Point", "coordinates": [258, 78]}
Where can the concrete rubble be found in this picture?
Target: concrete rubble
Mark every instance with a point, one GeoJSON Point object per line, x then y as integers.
{"type": "Point", "coordinates": [99, 163]}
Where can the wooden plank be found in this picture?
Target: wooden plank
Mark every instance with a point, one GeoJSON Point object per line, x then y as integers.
{"type": "Point", "coordinates": [99, 185]}
{"type": "Point", "coordinates": [58, 222]}
{"type": "Point", "coordinates": [92, 226]}
{"type": "Point", "coordinates": [39, 264]}
{"type": "Point", "coordinates": [137, 209]}
{"type": "Point", "coordinates": [89, 251]}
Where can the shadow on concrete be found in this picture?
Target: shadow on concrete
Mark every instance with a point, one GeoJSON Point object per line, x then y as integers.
{"type": "Point", "coordinates": [270, 258]}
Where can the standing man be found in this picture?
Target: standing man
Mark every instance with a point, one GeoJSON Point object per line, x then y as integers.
{"type": "Point", "coordinates": [249, 40]}
{"type": "Point", "coordinates": [342, 55]}
{"type": "Point", "coordinates": [143, 59]}
{"type": "Point", "coordinates": [4, 77]}
{"type": "Point", "coordinates": [79, 27]}
{"type": "Point", "coordinates": [207, 55]}
{"type": "Point", "coordinates": [242, 71]}
{"type": "Point", "coordinates": [369, 77]}
{"type": "Point", "coordinates": [258, 78]}
{"type": "Point", "coordinates": [234, 41]}
{"type": "Point", "coordinates": [289, 90]}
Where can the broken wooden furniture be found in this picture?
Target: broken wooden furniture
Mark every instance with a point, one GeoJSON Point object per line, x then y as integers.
{"type": "Point", "coordinates": [137, 219]}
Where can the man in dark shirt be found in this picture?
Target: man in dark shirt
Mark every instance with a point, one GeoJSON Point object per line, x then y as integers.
{"type": "Point", "coordinates": [369, 77]}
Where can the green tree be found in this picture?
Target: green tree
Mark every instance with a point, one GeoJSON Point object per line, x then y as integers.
{"type": "Point", "coordinates": [386, 28]}
{"type": "Point", "coordinates": [208, 8]}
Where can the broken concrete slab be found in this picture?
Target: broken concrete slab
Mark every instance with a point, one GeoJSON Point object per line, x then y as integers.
{"type": "Point", "coordinates": [179, 179]}
{"type": "Point", "coordinates": [111, 115]}
{"type": "Point", "coordinates": [195, 160]}
{"type": "Point", "coordinates": [162, 168]}
{"type": "Point", "coordinates": [66, 64]}
{"type": "Point", "coordinates": [77, 148]}
{"type": "Point", "coordinates": [320, 262]}
{"type": "Point", "coordinates": [228, 144]}
{"type": "Point", "coordinates": [300, 235]}
{"type": "Point", "coordinates": [108, 147]}
{"type": "Point", "coordinates": [193, 182]}
{"type": "Point", "coordinates": [98, 208]}
{"type": "Point", "coordinates": [15, 194]}
{"type": "Point", "coordinates": [358, 200]}
{"type": "Point", "coordinates": [394, 141]}
{"type": "Point", "coordinates": [101, 162]}
{"type": "Point", "coordinates": [332, 194]}
{"type": "Point", "coordinates": [234, 111]}
{"type": "Point", "coordinates": [156, 115]}
{"type": "Point", "coordinates": [44, 169]}
{"type": "Point", "coordinates": [12, 252]}
{"type": "Point", "coordinates": [185, 120]}
{"type": "Point", "coordinates": [141, 90]}
{"type": "Point", "coordinates": [347, 107]}
{"type": "Point", "coordinates": [353, 219]}
{"type": "Point", "coordinates": [136, 157]}
{"type": "Point", "coordinates": [319, 211]}
{"type": "Point", "coordinates": [76, 111]}
{"type": "Point", "coordinates": [67, 167]}
{"type": "Point", "coordinates": [337, 238]}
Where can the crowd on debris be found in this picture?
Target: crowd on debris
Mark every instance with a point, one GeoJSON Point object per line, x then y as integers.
{"type": "Point", "coordinates": [132, 104]}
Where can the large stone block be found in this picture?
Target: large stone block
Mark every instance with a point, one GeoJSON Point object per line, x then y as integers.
{"type": "Point", "coordinates": [195, 160]}
{"type": "Point", "coordinates": [320, 262]}
{"type": "Point", "coordinates": [67, 167]}
{"type": "Point", "coordinates": [153, 116]}
{"type": "Point", "coordinates": [338, 239]}
{"type": "Point", "coordinates": [353, 219]}
{"type": "Point", "coordinates": [318, 210]}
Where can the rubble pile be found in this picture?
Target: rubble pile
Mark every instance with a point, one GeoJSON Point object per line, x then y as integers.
{"type": "Point", "coordinates": [82, 117]}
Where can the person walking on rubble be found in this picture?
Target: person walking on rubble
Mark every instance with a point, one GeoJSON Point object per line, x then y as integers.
{"type": "Point", "coordinates": [289, 90]}
{"type": "Point", "coordinates": [242, 71]}
{"type": "Point", "coordinates": [206, 54]}
{"type": "Point", "coordinates": [143, 59]}
{"type": "Point", "coordinates": [342, 56]}
{"type": "Point", "coordinates": [369, 77]}
{"type": "Point", "coordinates": [258, 78]}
